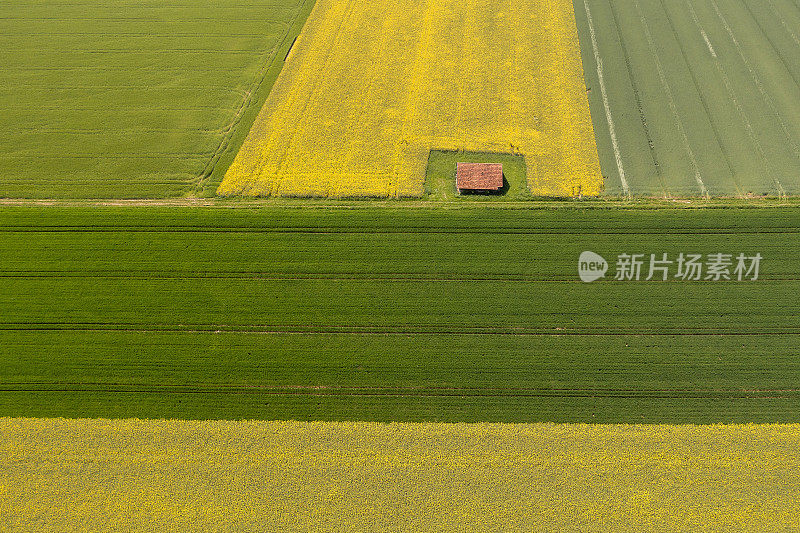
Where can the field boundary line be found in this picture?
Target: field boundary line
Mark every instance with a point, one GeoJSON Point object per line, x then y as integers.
{"type": "Point", "coordinates": [607, 203]}
{"type": "Point", "coordinates": [609, 119]}
{"type": "Point", "coordinates": [407, 392]}
{"type": "Point", "coordinates": [388, 231]}
{"type": "Point", "coordinates": [383, 330]}
{"type": "Point", "coordinates": [371, 278]}
{"type": "Point", "coordinates": [205, 175]}
{"type": "Point", "coordinates": [316, 387]}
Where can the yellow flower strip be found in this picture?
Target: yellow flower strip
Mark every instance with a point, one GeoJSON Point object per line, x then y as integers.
{"type": "Point", "coordinates": [66, 474]}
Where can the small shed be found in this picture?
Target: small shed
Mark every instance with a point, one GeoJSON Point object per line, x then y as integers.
{"type": "Point", "coordinates": [479, 177]}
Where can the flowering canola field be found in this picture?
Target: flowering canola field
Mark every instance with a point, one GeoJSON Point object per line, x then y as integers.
{"type": "Point", "coordinates": [70, 474]}
{"type": "Point", "coordinates": [369, 88]}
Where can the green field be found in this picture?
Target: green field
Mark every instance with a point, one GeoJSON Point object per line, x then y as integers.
{"type": "Point", "coordinates": [393, 314]}
{"type": "Point", "coordinates": [704, 97]}
{"type": "Point", "coordinates": [133, 99]}
{"type": "Point", "coordinates": [440, 179]}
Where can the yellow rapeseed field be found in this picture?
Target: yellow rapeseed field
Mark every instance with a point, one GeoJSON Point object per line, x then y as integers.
{"type": "Point", "coordinates": [371, 87]}
{"type": "Point", "coordinates": [66, 475]}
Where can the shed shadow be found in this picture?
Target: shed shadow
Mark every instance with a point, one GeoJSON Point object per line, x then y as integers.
{"type": "Point", "coordinates": [482, 192]}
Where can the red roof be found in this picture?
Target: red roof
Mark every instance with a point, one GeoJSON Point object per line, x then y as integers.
{"type": "Point", "coordinates": [479, 176]}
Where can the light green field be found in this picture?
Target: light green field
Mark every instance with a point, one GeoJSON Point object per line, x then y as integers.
{"type": "Point", "coordinates": [133, 99]}
{"type": "Point", "coordinates": [406, 314]}
{"type": "Point", "coordinates": [703, 96]}
{"type": "Point", "coordinates": [440, 180]}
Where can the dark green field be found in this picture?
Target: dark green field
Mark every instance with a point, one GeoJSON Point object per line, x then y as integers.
{"type": "Point", "coordinates": [704, 96]}
{"type": "Point", "coordinates": [393, 314]}
{"type": "Point", "coordinates": [133, 99]}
